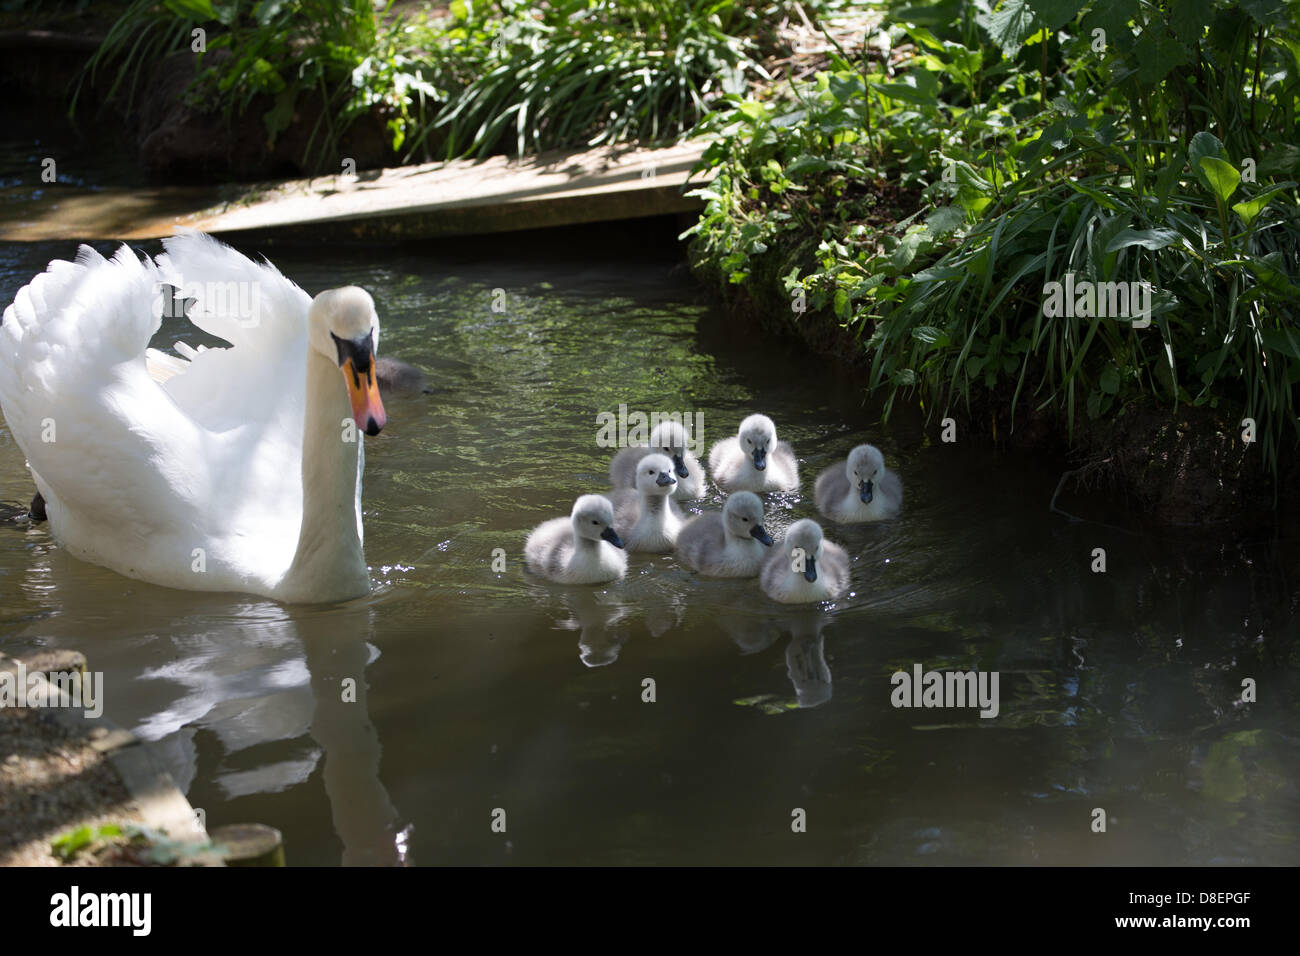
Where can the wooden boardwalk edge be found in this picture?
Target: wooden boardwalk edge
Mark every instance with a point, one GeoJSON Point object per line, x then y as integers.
{"type": "Point", "coordinates": [432, 200]}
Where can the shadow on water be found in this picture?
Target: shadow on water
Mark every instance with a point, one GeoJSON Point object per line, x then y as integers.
{"type": "Point", "coordinates": [493, 691]}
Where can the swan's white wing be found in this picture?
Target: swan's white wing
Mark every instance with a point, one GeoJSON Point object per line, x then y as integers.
{"type": "Point", "coordinates": [107, 449]}
{"type": "Point", "coordinates": [249, 398]}
{"type": "Point", "coordinates": [139, 474]}
{"type": "Point", "coordinates": [260, 313]}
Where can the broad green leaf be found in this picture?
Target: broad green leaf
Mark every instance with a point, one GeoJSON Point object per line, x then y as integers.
{"type": "Point", "coordinates": [1189, 18]}
{"type": "Point", "coordinates": [1157, 55]}
{"type": "Point", "coordinates": [945, 219]}
{"type": "Point", "coordinates": [1146, 238]}
{"type": "Point", "coordinates": [1223, 177]}
{"type": "Point", "coordinates": [1266, 13]}
{"type": "Point", "coordinates": [919, 87]}
{"type": "Point", "coordinates": [1249, 209]}
{"type": "Point", "coordinates": [1114, 18]}
{"type": "Point", "coordinates": [930, 335]}
{"type": "Point", "coordinates": [1109, 380]}
{"type": "Point", "coordinates": [1278, 341]}
{"type": "Point", "coordinates": [1107, 231]}
{"type": "Point", "coordinates": [807, 164]}
{"type": "Point", "coordinates": [1204, 144]}
{"type": "Point", "coordinates": [1096, 196]}
{"type": "Point", "coordinates": [902, 256]}
{"type": "Point", "coordinates": [1010, 25]}
{"type": "Point", "coordinates": [924, 37]}
{"type": "Point", "coordinates": [1053, 14]}
{"type": "Point", "coordinates": [1272, 277]}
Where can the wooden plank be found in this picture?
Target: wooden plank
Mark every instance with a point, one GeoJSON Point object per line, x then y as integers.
{"type": "Point", "coordinates": [461, 197]}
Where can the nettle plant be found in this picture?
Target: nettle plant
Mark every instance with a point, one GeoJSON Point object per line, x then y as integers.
{"type": "Point", "coordinates": [1118, 142]}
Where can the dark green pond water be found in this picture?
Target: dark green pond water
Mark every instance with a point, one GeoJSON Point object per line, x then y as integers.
{"type": "Point", "coordinates": [485, 691]}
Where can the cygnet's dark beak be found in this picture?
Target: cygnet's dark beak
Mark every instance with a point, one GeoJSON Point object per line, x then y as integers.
{"type": "Point", "coordinates": [759, 532]}
{"type": "Point", "coordinates": [810, 568]}
{"type": "Point", "coordinates": [864, 492]}
{"type": "Point", "coordinates": [680, 467]}
{"type": "Point", "coordinates": [609, 535]}
{"type": "Point", "coordinates": [665, 478]}
{"type": "Point", "coordinates": [760, 458]}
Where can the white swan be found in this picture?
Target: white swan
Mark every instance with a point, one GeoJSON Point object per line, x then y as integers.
{"type": "Point", "coordinates": [861, 489]}
{"type": "Point", "coordinates": [754, 460]}
{"type": "Point", "coordinates": [242, 470]}
{"type": "Point", "coordinates": [646, 518]}
{"type": "Point", "coordinates": [806, 568]}
{"type": "Point", "coordinates": [580, 549]}
{"type": "Point", "coordinates": [731, 543]}
{"type": "Point", "coordinates": [672, 439]}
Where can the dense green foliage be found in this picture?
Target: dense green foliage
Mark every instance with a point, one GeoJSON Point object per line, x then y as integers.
{"type": "Point", "coordinates": [575, 72]}
{"type": "Point", "coordinates": [492, 76]}
{"type": "Point", "coordinates": [270, 54]}
{"type": "Point", "coordinates": [929, 202]}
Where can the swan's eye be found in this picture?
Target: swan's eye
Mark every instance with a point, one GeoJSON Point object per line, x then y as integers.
{"type": "Point", "coordinates": [666, 448]}
{"type": "Point", "coordinates": [746, 520]}
{"type": "Point", "coordinates": [594, 521]}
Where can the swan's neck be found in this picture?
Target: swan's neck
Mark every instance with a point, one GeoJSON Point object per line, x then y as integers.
{"type": "Point", "coordinates": [654, 507]}
{"type": "Point", "coordinates": [329, 563]}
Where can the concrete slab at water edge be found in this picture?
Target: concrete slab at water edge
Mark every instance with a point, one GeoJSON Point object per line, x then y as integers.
{"type": "Point", "coordinates": [461, 197]}
{"type": "Point", "coordinates": [65, 770]}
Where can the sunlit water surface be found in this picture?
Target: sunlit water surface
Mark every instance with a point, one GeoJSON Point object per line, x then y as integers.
{"type": "Point", "coordinates": [481, 691]}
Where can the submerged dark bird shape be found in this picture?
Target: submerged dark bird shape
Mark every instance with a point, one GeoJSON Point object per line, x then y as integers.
{"type": "Point", "coordinates": [399, 378]}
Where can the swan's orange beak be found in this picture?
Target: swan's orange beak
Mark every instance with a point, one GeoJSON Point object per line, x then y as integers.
{"type": "Point", "coordinates": [363, 392]}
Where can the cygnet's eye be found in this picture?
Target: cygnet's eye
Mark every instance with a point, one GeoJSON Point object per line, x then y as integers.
{"type": "Point", "coordinates": [749, 441]}
{"type": "Point", "coordinates": [666, 448]}
{"type": "Point", "coordinates": [594, 521]}
{"type": "Point", "coordinates": [746, 520]}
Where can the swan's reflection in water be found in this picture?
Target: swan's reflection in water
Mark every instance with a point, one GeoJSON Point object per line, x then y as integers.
{"type": "Point", "coordinates": [256, 675]}
{"type": "Point", "coordinates": [805, 661]}
{"type": "Point", "coordinates": [603, 617]}
{"type": "Point", "coordinates": [805, 653]}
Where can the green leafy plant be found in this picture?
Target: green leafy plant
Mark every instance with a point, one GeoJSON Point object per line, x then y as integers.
{"type": "Point", "coordinates": [1132, 142]}
{"type": "Point", "coordinates": [137, 844]}
{"type": "Point", "coordinates": [589, 72]}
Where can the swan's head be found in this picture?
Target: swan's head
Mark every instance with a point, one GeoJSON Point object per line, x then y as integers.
{"type": "Point", "coordinates": [593, 519]}
{"type": "Point", "coordinates": [757, 436]}
{"type": "Point", "coordinates": [343, 327]}
{"type": "Point", "coordinates": [743, 516]}
{"type": "Point", "coordinates": [803, 544]}
{"type": "Point", "coordinates": [654, 475]}
{"type": "Point", "coordinates": [672, 439]}
{"type": "Point", "coordinates": [865, 467]}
